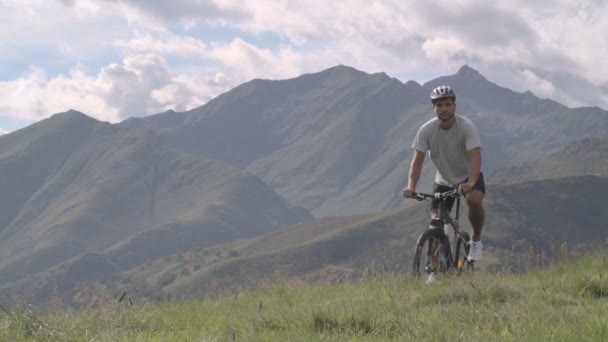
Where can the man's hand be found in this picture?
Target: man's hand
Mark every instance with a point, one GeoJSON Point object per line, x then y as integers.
{"type": "Point", "coordinates": [408, 193]}
{"type": "Point", "coordinates": [465, 188]}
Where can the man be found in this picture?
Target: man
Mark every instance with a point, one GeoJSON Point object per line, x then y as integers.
{"type": "Point", "coordinates": [453, 144]}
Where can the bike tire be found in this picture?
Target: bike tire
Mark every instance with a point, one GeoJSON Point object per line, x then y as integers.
{"type": "Point", "coordinates": [425, 243]}
{"type": "Point", "coordinates": [462, 251]}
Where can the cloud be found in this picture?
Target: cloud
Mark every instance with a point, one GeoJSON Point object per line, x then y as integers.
{"type": "Point", "coordinates": [574, 89]}
{"type": "Point", "coordinates": [33, 96]}
{"type": "Point", "coordinates": [49, 35]}
{"type": "Point", "coordinates": [143, 83]}
{"type": "Point", "coordinates": [543, 87]}
{"type": "Point", "coordinates": [189, 12]}
{"type": "Point", "coordinates": [69, 3]}
{"type": "Point", "coordinates": [140, 85]}
{"type": "Point", "coordinates": [237, 60]}
{"type": "Point", "coordinates": [188, 47]}
{"type": "Point", "coordinates": [407, 36]}
{"type": "Point", "coordinates": [150, 56]}
{"type": "Point", "coordinates": [2, 132]}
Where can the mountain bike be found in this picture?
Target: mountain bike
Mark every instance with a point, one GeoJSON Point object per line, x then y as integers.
{"type": "Point", "coordinates": [433, 245]}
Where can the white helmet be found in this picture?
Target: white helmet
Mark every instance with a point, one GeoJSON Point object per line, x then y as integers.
{"type": "Point", "coordinates": [442, 92]}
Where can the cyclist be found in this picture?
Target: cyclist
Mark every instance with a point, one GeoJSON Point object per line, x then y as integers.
{"type": "Point", "coordinates": [454, 147]}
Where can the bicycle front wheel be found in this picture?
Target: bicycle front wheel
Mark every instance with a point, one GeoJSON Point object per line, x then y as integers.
{"type": "Point", "coordinates": [431, 253]}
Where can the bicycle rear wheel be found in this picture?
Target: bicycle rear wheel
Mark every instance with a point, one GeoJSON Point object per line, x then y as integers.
{"type": "Point", "coordinates": [463, 244]}
{"type": "Point", "coordinates": [431, 254]}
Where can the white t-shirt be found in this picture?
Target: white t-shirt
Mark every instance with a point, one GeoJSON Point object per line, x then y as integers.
{"type": "Point", "coordinates": [448, 148]}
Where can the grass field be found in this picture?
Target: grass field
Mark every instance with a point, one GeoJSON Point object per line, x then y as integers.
{"type": "Point", "coordinates": [566, 302]}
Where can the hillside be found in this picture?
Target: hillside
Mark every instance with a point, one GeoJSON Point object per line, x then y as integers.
{"type": "Point", "coordinates": [112, 190]}
{"type": "Point", "coordinates": [167, 263]}
{"type": "Point", "coordinates": [31, 155]}
{"type": "Point", "coordinates": [588, 156]}
{"type": "Point", "coordinates": [523, 220]}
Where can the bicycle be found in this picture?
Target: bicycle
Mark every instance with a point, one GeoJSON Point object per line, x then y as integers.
{"type": "Point", "coordinates": [439, 256]}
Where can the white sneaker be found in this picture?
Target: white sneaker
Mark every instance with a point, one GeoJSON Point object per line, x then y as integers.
{"type": "Point", "coordinates": [475, 252]}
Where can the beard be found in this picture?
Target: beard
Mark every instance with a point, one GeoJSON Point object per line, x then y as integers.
{"type": "Point", "coordinates": [445, 116]}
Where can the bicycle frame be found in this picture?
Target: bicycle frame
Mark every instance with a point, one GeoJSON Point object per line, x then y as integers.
{"type": "Point", "coordinates": [445, 216]}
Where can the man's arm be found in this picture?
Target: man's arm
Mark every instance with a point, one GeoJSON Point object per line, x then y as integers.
{"type": "Point", "coordinates": [414, 174]}
{"type": "Point", "coordinates": [474, 170]}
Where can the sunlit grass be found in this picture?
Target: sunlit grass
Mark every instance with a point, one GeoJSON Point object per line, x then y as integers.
{"type": "Point", "coordinates": [566, 302]}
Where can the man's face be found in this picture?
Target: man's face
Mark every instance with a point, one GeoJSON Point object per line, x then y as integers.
{"type": "Point", "coordinates": [444, 109]}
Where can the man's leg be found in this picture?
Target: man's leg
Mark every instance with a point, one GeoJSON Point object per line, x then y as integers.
{"type": "Point", "coordinates": [476, 212]}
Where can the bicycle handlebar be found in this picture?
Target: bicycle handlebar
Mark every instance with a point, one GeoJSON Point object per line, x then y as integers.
{"type": "Point", "coordinates": [421, 196]}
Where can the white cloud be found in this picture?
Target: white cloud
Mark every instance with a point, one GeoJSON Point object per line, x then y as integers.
{"type": "Point", "coordinates": [34, 96]}
{"type": "Point", "coordinates": [236, 61]}
{"type": "Point", "coordinates": [189, 47]}
{"type": "Point", "coordinates": [185, 11]}
{"type": "Point", "coordinates": [140, 85]}
{"type": "Point", "coordinates": [543, 87]}
{"type": "Point", "coordinates": [158, 56]}
{"type": "Point", "coordinates": [2, 132]}
{"type": "Point", "coordinates": [443, 50]}
{"type": "Point", "coordinates": [37, 29]}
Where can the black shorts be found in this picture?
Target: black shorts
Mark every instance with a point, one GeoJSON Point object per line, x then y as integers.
{"type": "Point", "coordinates": [449, 203]}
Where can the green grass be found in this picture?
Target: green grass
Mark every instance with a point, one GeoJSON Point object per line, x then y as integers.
{"type": "Point", "coordinates": [567, 302]}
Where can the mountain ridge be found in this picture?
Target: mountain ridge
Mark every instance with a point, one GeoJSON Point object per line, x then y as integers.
{"type": "Point", "coordinates": [280, 131]}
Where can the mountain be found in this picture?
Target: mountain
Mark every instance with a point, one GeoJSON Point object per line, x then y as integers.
{"type": "Point", "coordinates": [74, 187]}
{"type": "Point", "coordinates": [308, 138]}
{"type": "Point", "coordinates": [338, 142]}
{"type": "Point", "coordinates": [29, 156]}
{"type": "Point", "coordinates": [86, 201]}
{"type": "Point", "coordinates": [588, 156]}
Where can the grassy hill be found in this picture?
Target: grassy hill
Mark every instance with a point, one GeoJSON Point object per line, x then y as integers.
{"type": "Point", "coordinates": [526, 223]}
{"type": "Point", "coordinates": [566, 302]}
{"type": "Point", "coordinates": [331, 249]}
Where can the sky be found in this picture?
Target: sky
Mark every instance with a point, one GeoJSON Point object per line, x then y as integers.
{"type": "Point", "coordinates": [115, 59]}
